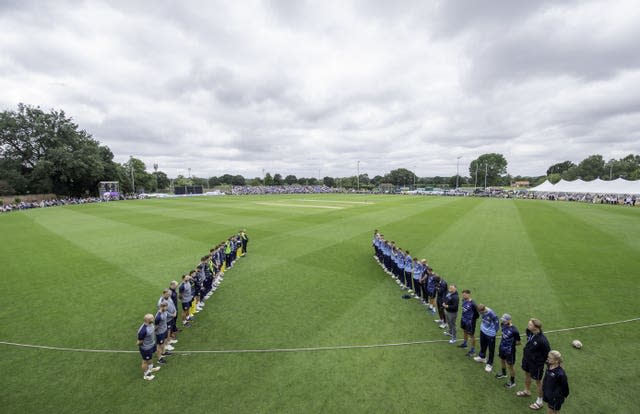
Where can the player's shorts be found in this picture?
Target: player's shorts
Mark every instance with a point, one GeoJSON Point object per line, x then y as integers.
{"type": "Point", "coordinates": [171, 324]}
{"type": "Point", "coordinates": [160, 338]}
{"type": "Point", "coordinates": [147, 354]}
{"type": "Point", "coordinates": [186, 305]}
{"type": "Point", "coordinates": [468, 327]}
{"type": "Point", "coordinates": [509, 357]}
{"type": "Point", "coordinates": [536, 371]}
{"type": "Point", "coordinates": [555, 403]}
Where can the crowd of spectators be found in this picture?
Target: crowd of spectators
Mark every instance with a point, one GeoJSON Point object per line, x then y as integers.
{"type": "Point", "coordinates": [284, 189]}
{"type": "Point", "coordinates": [56, 202]}
{"type": "Point", "coordinates": [614, 199]}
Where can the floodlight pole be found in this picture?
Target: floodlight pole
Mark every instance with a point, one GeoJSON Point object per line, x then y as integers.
{"type": "Point", "coordinates": [475, 185]}
{"type": "Point", "coordinates": [486, 167]}
{"type": "Point", "coordinates": [414, 176]}
{"type": "Point", "coordinates": [133, 180]}
{"type": "Point", "coordinates": [458, 171]}
{"type": "Point", "coordinates": [358, 176]}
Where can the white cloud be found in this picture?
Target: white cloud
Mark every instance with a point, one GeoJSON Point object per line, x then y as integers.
{"type": "Point", "coordinates": [297, 87]}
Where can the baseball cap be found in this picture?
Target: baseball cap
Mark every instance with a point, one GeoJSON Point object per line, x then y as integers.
{"type": "Point", "coordinates": [506, 317]}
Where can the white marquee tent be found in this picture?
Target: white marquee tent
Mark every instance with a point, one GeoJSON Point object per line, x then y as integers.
{"type": "Point", "coordinates": [597, 186]}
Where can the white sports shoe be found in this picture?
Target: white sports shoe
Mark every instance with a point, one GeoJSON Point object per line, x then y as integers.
{"type": "Point", "coordinates": [154, 369]}
{"type": "Point", "coordinates": [169, 348]}
{"type": "Point", "coordinates": [479, 359]}
{"type": "Point", "coordinates": [148, 377]}
{"type": "Point", "coordinates": [173, 341]}
{"type": "Point", "coordinates": [488, 368]}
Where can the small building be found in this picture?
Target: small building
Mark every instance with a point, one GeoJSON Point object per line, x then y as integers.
{"type": "Point", "coordinates": [522, 184]}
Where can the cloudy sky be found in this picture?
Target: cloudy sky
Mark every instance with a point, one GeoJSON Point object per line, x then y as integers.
{"type": "Point", "coordinates": [311, 88]}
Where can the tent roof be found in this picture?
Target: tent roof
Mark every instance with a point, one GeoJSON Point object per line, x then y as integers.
{"type": "Point", "coordinates": [597, 186]}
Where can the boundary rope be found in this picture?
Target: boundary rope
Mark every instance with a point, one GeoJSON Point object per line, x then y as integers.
{"type": "Point", "coordinates": [309, 349]}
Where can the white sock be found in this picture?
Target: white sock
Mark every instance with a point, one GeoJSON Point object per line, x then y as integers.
{"type": "Point", "coordinates": [539, 400]}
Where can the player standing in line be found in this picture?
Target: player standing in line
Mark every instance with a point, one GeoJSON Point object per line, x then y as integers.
{"type": "Point", "coordinates": [147, 346]}
{"type": "Point", "coordinates": [507, 350]}
{"type": "Point", "coordinates": [450, 305]}
{"type": "Point", "coordinates": [431, 289]}
{"type": "Point", "coordinates": [407, 268]}
{"type": "Point", "coordinates": [417, 270]}
{"type": "Point", "coordinates": [172, 314]}
{"type": "Point", "coordinates": [161, 332]}
{"type": "Point", "coordinates": [174, 298]}
{"type": "Point", "coordinates": [534, 356]}
{"type": "Point", "coordinates": [468, 321]}
{"type": "Point", "coordinates": [488, 330]}
{"type": "Point", "coordinates": [245, 241]}
{"type": "Point", "coordinates": [441, 291]}
{"type": "Point", "coordinates": [555, 386]}
{"type": "Point", "coordinates": [186, 297]}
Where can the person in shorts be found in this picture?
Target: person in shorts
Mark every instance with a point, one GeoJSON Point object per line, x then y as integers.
{"type": "Point", "coordinates": [468, 321]}
{"type": "Point", "coordinates": [185, 296]}
{"type": "Point", "coordinates": [555, 387]}
{"type": "Point", "coordinates": [162, 332]}
{"type": "Point", "coordinates": [147, 346]}
{"type": "Point", "coordinates": [507, 350]}
{"type": "Point", "coordinates": [534, 356]}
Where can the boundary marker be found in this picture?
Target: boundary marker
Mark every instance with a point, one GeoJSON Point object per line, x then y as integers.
{"type": "Point", "coordinates": [310, 349]}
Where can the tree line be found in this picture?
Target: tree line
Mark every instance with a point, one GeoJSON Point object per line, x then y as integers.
{"type": "Point", "coordinates": [46, 152]}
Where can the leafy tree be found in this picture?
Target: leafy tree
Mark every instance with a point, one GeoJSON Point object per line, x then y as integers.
{"type": "Point", "coordinates": [591, 167]}
{"type": "Point", "coordinates": [290, 179]}
{"type": "Point", "coordinates": [142, 180]}
{"type": "Point", "coordinates": [401, 176]}
{"type": "Point", "coordinates": [560, 167]}
{"type": "Point", "coordinates": [200, 181]}
{"type": "Point", "coordinates": [571, 174]}
{"type": "Point", "coordinates": [47, 152]}
{"type": "Point", "coordinates": [554, 177]}
{"type": "Point", "coordinates": [213, 182]}
{"type": "Point", "coordinates": [492, 166]}
{"type": "Point", "coordinates": [162, 180]}
{"type": "Point", "coordinates": [329, 181]}
{"type": "Point", "coordinates": [460, 181]}
{"type": "Point", "coordinates": [238, 180]}
{"type": "Point", "coordinates": [268, 180]}
{"type": "Point", "coordinates": [226, 179]}
{"type": "Point", "coordinates": [181, 180]}
{"type": "Point", "coordinates": [277, 179]}
{"type": "Point", "coordinates": [377, 180]}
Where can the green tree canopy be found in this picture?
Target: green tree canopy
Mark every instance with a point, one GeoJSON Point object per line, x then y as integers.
{"type": "Point", "coordinates": [591, 167]}
{"type": "Point", "coordinates": [400, 176]}
{"type": "Point", "coordinates": [492, 166]}
{"type": "Point", "coordinates": [560, 167]}
{"type": "Point", "coordinates": [47, 153]}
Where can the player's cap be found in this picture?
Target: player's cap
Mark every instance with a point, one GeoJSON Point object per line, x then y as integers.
{"type": "Point", "coordinates": [506, 317]}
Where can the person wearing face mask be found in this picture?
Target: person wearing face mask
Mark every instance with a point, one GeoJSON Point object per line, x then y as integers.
{"type": "Point", "coordinates": [555, 387]}
{"type": "Point", "coordinates": [533, 358]}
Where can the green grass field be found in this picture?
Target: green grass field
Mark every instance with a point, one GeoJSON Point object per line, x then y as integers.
{"type": "Point", "coordinates": [82, 277]}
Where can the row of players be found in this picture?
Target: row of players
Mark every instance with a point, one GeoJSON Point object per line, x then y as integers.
{"type": "Point", "coordinates": [157, 334]}
{"type": "Point", "coordinates": [420, 281]}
